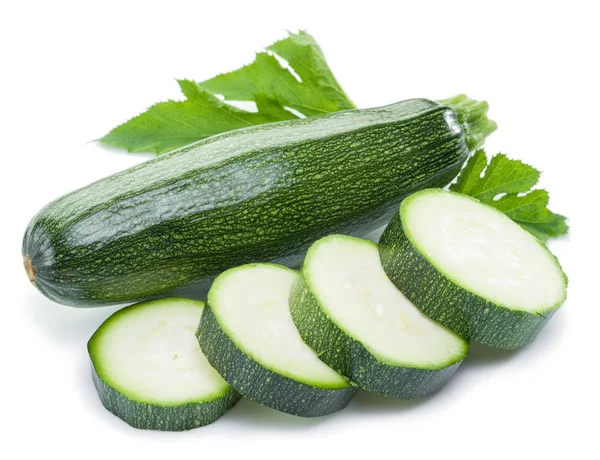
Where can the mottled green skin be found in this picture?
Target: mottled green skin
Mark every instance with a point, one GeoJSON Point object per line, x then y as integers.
{"type": "Point", "coordinates": [263, 193]}
{"type": "Point", "coordinates": [260, 384]}
{"type": "Point", "coordinates": [163, 418]}
{"type": "Point", "coordinates": [449, 304]}
{"type": "Point", "coordinates": [350, 358]}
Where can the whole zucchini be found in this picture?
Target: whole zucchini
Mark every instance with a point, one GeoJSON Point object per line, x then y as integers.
{"type": "Point", "coordinates": [262, 193]}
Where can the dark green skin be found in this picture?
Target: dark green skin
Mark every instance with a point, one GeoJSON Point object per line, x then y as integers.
{"type": "Point", "coordinates": [350, 358]}
{"type": "Point", "coordinates": [444, 301]}
{"type": "Point", "coordinates": [163, 418]}
{"type": "Point", "coordinates": [256, 382]}
{"type": "Point", "coordinates": [176, 221]}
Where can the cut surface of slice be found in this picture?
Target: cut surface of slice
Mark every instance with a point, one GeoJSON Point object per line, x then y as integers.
{"type": "Point", "coordinates": [248, 335]}
{"type": "Point", "coordinates": [347, 309]}
{"type": "Point", "coordinates": [149, 370]}
{"type": "Point", "coordinates": [470, 267]}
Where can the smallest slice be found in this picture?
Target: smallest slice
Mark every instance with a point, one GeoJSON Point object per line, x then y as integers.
{"type": "Point", "coordinates": [150, 372]}
{"type": "Point", "coordinates": [468, 266]}
{"type": "Point", "coordinates": [347, 309]}
{"type": "Point", "coordinates": [248, 335]}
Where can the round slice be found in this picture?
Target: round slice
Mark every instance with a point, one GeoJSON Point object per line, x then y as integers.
{"type": "Point", "coordinates": [248, 335]}
{"type": "Point", "coordinates": [347, 309]}
{"type": "Point", "coordinates": [150, 372]}
{"type": "Point", "coordinates": [470, 267]}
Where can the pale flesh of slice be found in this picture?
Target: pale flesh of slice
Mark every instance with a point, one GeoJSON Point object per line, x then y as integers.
{"type": "Point", "coordinates": [251, 306]}
{"type": "Point", "coordinates": [483, 251]}
{"type": "Point", "coordinates": [346, 276]}
{"type": "Point", "coordinates": [150, 354]}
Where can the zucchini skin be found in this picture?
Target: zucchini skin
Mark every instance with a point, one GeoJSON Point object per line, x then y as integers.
{"type": "Point", "coordinates": [444, 301]}
{"type": "Point", "coordinates": [163, 418]}
{"type": "Point", "coordinates": [263, 193]}
{"type": "Point", "coordinates": [350, 358]}
{"type": "Point", "coordinates": [256, 382]}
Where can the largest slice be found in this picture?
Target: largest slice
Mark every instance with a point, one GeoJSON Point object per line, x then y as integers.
{"type": "Point", "coordinates": [470, 267]}
{"type": "Point", "coordinates": [260, 193]}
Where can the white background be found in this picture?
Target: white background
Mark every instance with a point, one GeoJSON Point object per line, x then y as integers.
{"type": "Point", "coordinates": [72, 71]}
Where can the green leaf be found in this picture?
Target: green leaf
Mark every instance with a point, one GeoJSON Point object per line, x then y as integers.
{"type": "Point", "coordinates": [531, 212]}
{"type": "Point", "coordinates": [470, 175]}
{"type": "Point", "coordinates": [318, 92]}
{"type": "Point", "coordinates": [514, 179]}
{"type": "Point", "coordinates": [268, 110]}
{"type": "Point", "coordinates": [501, 176]}
{"type": "Point", "coordinates": [168, 125]}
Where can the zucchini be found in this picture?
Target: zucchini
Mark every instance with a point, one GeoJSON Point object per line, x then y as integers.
{"type": "Point", "coordinates": [262, 193]}
{"type": "Point", "coordinates": [470, 267]}
{"type": "Point", "coordinates": [347, 309]}
{"type": "Point", "coordinates": [249, 337]}
{"type": "Point", "coordinates": [150, 372]}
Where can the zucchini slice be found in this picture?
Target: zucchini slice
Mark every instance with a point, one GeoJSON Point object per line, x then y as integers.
{"type": "Point", "coordinates": [150, 372]}
{"type": "Point", "coordinates": [347, 309]}
{"type": "Point", "coordinates": [249, 337]}
{"type": "Point", "coordinates": [471, 268]}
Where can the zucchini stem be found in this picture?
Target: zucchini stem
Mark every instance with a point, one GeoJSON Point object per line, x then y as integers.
{"type": "Point", "coordinates": [472, 116]}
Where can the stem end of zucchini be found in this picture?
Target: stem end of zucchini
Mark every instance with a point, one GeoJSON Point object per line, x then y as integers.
{"type": "Point", "coordinates": [28, 264]}
{"type": "Point", "coordinates": [472, 115]}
